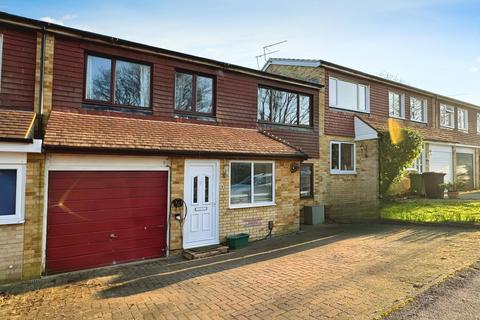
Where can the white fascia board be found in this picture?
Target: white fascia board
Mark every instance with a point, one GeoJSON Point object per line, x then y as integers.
{"type": "Point", "coordinates": [363, 131]}
{"type": "Point", "coordinates": [34, 147]}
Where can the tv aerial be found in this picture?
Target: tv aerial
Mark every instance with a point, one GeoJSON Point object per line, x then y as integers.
{"type": "Point", "coordinates": [267, 50]}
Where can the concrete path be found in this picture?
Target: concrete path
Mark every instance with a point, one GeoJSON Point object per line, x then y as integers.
{"type": "Point", "coordinates": [331, 272]}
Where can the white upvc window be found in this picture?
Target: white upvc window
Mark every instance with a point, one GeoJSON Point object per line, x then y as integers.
{"type": "Point", "coordinates": [348, 95]}
{"type": "Point", "coordinates": [12, 191]}
{"type": "Point", "coordinates": [418, 109]}
{"type": "Point", "coordinates": [342, 157]}
{"type": "Point", "coordinates": [419, 163]}
{"type": "Point", "coordinates": [396, 105]}
{"type": "Point", "coordinates": [447, 116]}
{"type": "Point", "coordinates": [252, 184]}
{"type": "Point", "coordinates": [462, 119]}
{"type": "Point", "coordinates": [478, 122]}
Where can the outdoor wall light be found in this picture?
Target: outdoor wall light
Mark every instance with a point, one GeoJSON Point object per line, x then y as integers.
{"type": "Point", "coordinates": [294, 166]}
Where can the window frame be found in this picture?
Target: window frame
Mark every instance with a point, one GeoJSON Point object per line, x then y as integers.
{"type": "Point", "coordinates": [1, 60]}
{"type": "Point", "coordinates": [194, 75]}
{"type": "Point", "coordinates": [478, 122]}
{"type": "Point", "coordinates": [424, 109]}
{"type": "Point", "coordinates": [401, 97]}
{"type": "Point", "coordinates": [18, 218]}
{"type": "Point", "coordinates": [446, 106]}
{"type": "Point", "coordinates": [298, 125]}
{"type": "Point", "coordinates": [422, 160]}
{"type": "Point", "coordinates": [357, 84]}
{"type": "Point", "coordinates": [111, 103]}
{"type": "Point", "coordinates": [340, 171]}
{"type": "Point", "coordinates": [252, 204]}
{"type": "Point", "coordinates": [463, 129]}
{"type": "Point", "coordinates": [312, 178]}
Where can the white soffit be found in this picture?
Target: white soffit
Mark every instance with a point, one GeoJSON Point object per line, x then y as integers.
{"type": "Point", "coordinates": [35, 147]}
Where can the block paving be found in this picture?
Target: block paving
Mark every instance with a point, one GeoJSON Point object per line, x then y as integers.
{"type": "Point", "coordinates": [328, 272]}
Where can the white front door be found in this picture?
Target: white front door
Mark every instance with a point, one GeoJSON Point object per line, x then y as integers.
{"type": "Point", "coordinates": [201, 185]}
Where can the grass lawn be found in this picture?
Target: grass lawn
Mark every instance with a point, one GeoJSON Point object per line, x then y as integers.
{"type": "Point", "coordinates": [427, 210]}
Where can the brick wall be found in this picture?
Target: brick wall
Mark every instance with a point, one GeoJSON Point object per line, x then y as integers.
{"type": "Point", "coordinates": [285, 214]}
{"type": "Point", "coordinates": [47, 76]}
{"type": "Point", "coordinates": [21, 244]}
{"type": "Point", "coordinates": [11, 247]}
{"type": "Point", "coordinates": [34, 198]}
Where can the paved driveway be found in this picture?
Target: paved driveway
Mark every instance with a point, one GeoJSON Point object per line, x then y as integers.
{"type": "Point", "coordinates": [340, 272]}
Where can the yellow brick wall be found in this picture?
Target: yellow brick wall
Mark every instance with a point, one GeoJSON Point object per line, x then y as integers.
{"type": "Point", "coordinates": [47, 76]}
{"type": "Point", "coordinates": [285, 213]}
{"type": "Point", "coordinates": [20, 244]}
{"type": "Point", "coordinates": [34, 198]}
{"type": "Point", "coordinates": [11, 247]}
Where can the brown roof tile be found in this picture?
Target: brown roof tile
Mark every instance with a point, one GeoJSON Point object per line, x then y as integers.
{"type": "Point", "coordinates": [81, 131]}
{"type": "Point", "coordinates": [16, 124]}
{"type": "Point", "coordinates": [428, 133]}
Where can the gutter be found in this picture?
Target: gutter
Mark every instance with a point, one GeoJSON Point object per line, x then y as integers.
{"type": "Point", "coordinates": [21, 140]}
{"type": "Point", "coordinates": [191, 153]}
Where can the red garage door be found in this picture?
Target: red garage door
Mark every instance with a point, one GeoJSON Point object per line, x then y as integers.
{"type": "Point", "coordinates": [98, 218]}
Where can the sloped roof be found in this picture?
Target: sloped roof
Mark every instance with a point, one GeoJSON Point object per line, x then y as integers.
{"type": "Point", "coordinates": [380, 124]}
{"type": "Point", "coordinates": [16, 124]}
{"type": "Point", "coordinates": [86, 131]}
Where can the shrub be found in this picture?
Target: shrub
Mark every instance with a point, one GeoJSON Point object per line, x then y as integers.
{"type": "Point", "coordinates": [398, 150]}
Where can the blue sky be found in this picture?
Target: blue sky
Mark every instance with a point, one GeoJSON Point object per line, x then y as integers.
{"type": "Point", "coordinates": [431, 44]}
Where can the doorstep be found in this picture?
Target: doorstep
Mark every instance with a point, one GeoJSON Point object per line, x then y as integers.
{"type": "Point", "coordinates": [204, 252]}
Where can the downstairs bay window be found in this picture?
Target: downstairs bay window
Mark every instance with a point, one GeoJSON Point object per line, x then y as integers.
{"type": "Point", "coordinates": [342, 157]}
{"type": "Point", "coordinates": [252, 183]}
{"type": "Point", "coordinates": [12, 191]}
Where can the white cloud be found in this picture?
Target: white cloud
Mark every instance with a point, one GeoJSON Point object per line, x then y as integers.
{"type": "Point", "coordinates": [473, 69]}
{"type": "Point", "coordinates": [477, 60]}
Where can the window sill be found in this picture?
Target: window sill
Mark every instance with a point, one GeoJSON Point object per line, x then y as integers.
{"type": "Point", "coordinates": [448, 128]}
{"type": "Point", "coordinates": [191, 116]}
{"type": "Point", "coordinates": [285, 126]}
{"type": "Point", "coordinates": [306, 197]}
{"type": "Point", "coordinates": [133, 110]}
{"type": "Point", "coordinates": [463, 130]}
{"type": "Point", "coordinates": [395, 117]}
{"type": "Point", "coordinates": [336, 172]}
{"type": "Point", "coordinates": [337, 108]}
{"type": "Point", "coordinates": [250, 205]}
{"type": "Point", "coordinates": [11, 221]}
{"type": "Point", "coordinates": [418, 121]}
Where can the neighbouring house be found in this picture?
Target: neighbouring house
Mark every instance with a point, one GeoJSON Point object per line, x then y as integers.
{"type": "Point", "coordinates": [355, 108]}
{"type": "Point", "coordinates": [127, 129]}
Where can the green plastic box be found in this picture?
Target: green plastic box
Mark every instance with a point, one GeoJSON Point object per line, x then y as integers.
{"type": "Point", "coordinates": [237, 241]}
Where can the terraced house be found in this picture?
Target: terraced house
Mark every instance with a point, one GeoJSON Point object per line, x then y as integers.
{"type": "Point", "coordinates": [115, 151]}
{"type": "Point", "coordinates": [355, 107]}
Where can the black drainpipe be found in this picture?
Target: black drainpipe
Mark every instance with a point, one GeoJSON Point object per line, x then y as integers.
{"type": "Point", "coordinates": [39, 123]}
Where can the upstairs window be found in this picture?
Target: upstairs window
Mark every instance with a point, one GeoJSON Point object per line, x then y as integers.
{"type": "Point", "coordinates": [117, 82]}
{"type": "Point", "coordinates": [348, 95]}
{"type": "Point", "coordinates": [193, 93]}
{"type": "Point", "coordinates": [462, 116]}
{"type": "Point", "coordinates": [342, 157]}
{"type": "Point", "coordinates": [447, 116]}
{"type": "Point", "coordinates": [284, 107]}
{"type": "Point", "coordinates": [418, 109]}
{"type": "Point", "coordinates": [396, 105]}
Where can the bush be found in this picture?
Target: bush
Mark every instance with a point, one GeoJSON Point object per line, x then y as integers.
{"type": "Point", "coordinates": [398, 150]}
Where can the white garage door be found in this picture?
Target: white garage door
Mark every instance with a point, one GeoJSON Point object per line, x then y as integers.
{"type": "Point", "coordinates": [441, 161]}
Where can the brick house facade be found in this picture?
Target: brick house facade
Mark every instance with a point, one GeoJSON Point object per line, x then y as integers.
{"type": "Point", "coordinates": [100, 190]}
{"type": "Point", "coordinates": [453, 150]}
